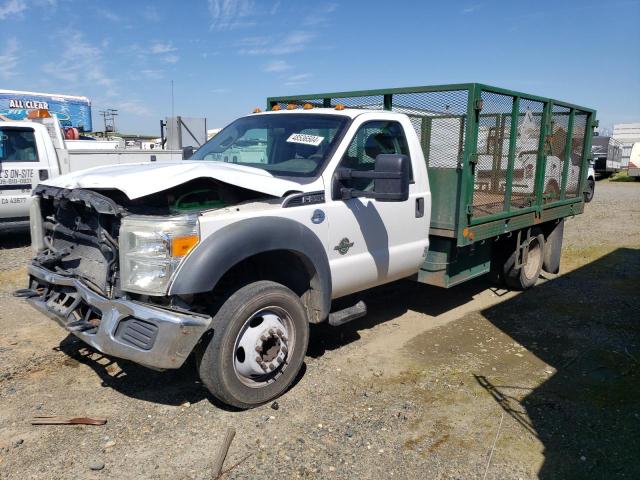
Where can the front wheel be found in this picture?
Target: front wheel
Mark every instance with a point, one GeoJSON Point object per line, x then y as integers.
{"type": "Point", "coordinates": [258, 345]}
{"type": "Point", "coordinates": [589, 190]}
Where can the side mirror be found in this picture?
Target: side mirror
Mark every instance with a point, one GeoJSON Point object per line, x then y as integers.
{"type": "Point", "coordinates": [390, 179]}
{"type": "Point", "coordinates": [392, 184]}
{"type": "Point", "coordinates": [187, 152]}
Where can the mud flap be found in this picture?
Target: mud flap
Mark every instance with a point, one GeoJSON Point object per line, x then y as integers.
{"type": "Point", "coordinates": [553, 248]}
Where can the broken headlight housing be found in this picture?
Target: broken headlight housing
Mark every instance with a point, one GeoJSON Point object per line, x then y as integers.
{"type": "Point", "coordinates": [151, 250]}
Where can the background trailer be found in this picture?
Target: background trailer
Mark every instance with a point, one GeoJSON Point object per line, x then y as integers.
{"type": "Point", "coordinates": [71, 111]}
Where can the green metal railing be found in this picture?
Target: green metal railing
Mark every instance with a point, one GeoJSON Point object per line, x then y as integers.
{"type": "Point", "coordinates": [473, 188]}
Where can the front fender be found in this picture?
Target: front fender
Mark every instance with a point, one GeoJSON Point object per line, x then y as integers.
{"type": "Point", "coordinates": [216, 254]}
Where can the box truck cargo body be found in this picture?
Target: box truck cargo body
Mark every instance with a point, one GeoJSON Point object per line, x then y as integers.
{"type": "Point", "coordinates": [71, 111]}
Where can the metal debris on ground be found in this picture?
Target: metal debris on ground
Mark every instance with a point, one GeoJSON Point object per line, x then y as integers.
{"type": "Point", "coordinates": [45, 420]}
{"type": "Point", "coordinates": [218, 462]}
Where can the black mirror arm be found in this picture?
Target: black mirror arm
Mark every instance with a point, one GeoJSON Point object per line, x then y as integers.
{"type": "Point", "coordinates": [348, 174]}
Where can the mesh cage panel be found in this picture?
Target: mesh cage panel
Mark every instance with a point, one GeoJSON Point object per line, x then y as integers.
{"type": "Point", "coordinates": [577, 154]}
{"type": "Point", "coordinates": [439, 119]}
{"type": "Point", "coordinates": [371, 102]}
{"type": "Point", "coordinates": [494, 129]}
{"type": "Point", "coordinates": [526, 154]}
{"type": "Point", "coordinates": [555, 144]}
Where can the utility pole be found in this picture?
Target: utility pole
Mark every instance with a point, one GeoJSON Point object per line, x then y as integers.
{"type": "Point", "coordinates": [109, 117]}
{"type": "Point", "coordinates": [114, 114]}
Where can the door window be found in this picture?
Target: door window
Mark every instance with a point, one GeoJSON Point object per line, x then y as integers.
{"type": "Point", "coordinates": [17, 145]}
{"type": "Point", "coordinates": [372, 139]}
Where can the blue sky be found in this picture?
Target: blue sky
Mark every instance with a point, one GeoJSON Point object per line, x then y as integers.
{"type": "Point", "coordinates": [226, 56]}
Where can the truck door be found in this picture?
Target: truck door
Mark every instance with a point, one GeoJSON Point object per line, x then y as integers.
{"type": "Point", "coordinates": [19, 171]}
{"type": "Point", "coordinates": [370, 241]}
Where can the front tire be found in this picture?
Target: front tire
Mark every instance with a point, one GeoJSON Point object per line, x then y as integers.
{"type": "Point", "coordinates": [258, 345]}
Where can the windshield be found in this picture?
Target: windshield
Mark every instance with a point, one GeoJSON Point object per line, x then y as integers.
{"type": "Point", "coordinates": [285, 144]}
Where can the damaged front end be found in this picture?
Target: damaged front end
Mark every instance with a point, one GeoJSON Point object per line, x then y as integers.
{"type": "Point", "coordinates": [102, 269]}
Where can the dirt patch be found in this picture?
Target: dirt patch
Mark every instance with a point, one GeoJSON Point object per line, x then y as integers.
{"type": "Point", "coordinates": [420, 388]}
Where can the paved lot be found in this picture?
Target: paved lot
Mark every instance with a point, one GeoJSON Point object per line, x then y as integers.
{"type": "Point", "coordinates": [472, 382]}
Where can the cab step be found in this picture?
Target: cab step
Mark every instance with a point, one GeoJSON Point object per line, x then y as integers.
{"type": "Point", "coordinates": [346, 315]}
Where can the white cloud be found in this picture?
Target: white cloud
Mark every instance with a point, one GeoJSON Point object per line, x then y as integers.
{"type": "Point", "coordinates": [289, 43]}
{"type": "Point", "coordinates": [12, 7]}
{"type": "Point", "coordinates": [171, 58]}
{"type": "Point", "coordinates": [230, 14]}
{"type": "Point", "coordinates": [9, 59]}
{"type": "Point", "coordinates": [152, 74]}
{"type": "Point", "coordinates": [16, 7]}
{"type": "Point", "coordinates": [471, 8]}
{"type": "Point", "coordinates": [277, 66]}
{"type": "Point", "coordinates": [151, 14]}
{"type": "Point", "coordinates": [274, 8]}
{"type": "Point", "coordinates": [319, 15]}
{"type": "Point", "coordinates": [160, 47]}
{"type": "Point", "coordinates": [109, 15]}
{"type": "Point", "coordinates": [132, 107]}
{"type": "Point", "coordinates": [81, 65]}
{"type": "Point", "coordinates": [299, 79]}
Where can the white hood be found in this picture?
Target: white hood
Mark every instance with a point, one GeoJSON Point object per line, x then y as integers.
{"type": "Point", "coordinates": [141, 179]}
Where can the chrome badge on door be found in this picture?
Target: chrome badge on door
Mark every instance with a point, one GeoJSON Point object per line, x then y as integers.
{"type": "Point", "coordinates": [343, 247]}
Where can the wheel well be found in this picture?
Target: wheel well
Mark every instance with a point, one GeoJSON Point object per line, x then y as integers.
{"type": "Point", "coordinates": [289, 268]}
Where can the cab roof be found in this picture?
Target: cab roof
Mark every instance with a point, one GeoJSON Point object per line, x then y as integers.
{"type": "Point", "coordinates": [347, 112]}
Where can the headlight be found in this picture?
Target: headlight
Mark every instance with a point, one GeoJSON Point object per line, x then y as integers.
{"type": "Point", "coordinates": [151, 250]}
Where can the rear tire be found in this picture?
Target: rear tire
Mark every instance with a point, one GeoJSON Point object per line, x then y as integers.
{"type": "Point", "coordinates": [527, 275]}
{"type": "Point", "coordinates": [258, 346]}
{"type": "Point", "coordinates": [590, 190]}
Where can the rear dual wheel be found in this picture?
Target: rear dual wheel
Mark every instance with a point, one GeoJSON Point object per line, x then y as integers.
{"type": "Point", "coordinates": [525, 276]}
{"type": "Point", "coordinates": [258, 347]}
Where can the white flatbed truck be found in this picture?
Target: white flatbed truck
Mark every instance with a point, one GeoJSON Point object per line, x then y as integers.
{"type": "Point", "coordinates": [233, 253]}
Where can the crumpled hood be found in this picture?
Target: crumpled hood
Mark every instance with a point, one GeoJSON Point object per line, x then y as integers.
{"type": "Point", "coordinates": [141, 179]}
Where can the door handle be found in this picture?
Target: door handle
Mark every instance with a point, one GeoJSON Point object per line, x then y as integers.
{"type": "Point", "coordinates": [419, 207]}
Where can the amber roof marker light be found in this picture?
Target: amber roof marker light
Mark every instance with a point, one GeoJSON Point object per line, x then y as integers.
{"type": "Point", "coordinates": [339, 106]}
{"type": "Point", "coordinates": [38, 113]}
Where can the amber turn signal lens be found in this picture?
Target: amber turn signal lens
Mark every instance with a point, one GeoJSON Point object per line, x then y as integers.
{"type": "Point", "coordinates": [39, 113]}
{"type": "Point", "coordinates": [180, 246]}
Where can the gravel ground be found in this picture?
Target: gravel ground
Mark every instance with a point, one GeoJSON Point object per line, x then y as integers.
{"type": "Point", "coordinates": [472, 382]}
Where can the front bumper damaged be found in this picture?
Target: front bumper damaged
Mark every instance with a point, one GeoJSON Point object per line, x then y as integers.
{"type": "Point", "coordinates": [149, 335]}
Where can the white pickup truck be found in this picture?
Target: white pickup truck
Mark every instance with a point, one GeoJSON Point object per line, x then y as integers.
{"type": "Point", "coordinates": [232, 254]}
{"type": "Point", "coordinates": [34, 151]}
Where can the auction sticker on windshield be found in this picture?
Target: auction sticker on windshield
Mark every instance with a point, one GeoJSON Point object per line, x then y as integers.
{"type": "Point", "coordinates": [305, 139]}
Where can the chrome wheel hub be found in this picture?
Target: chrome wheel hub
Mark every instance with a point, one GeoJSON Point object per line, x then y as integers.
{"type": "Point", "coordinates": [262, 347]}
